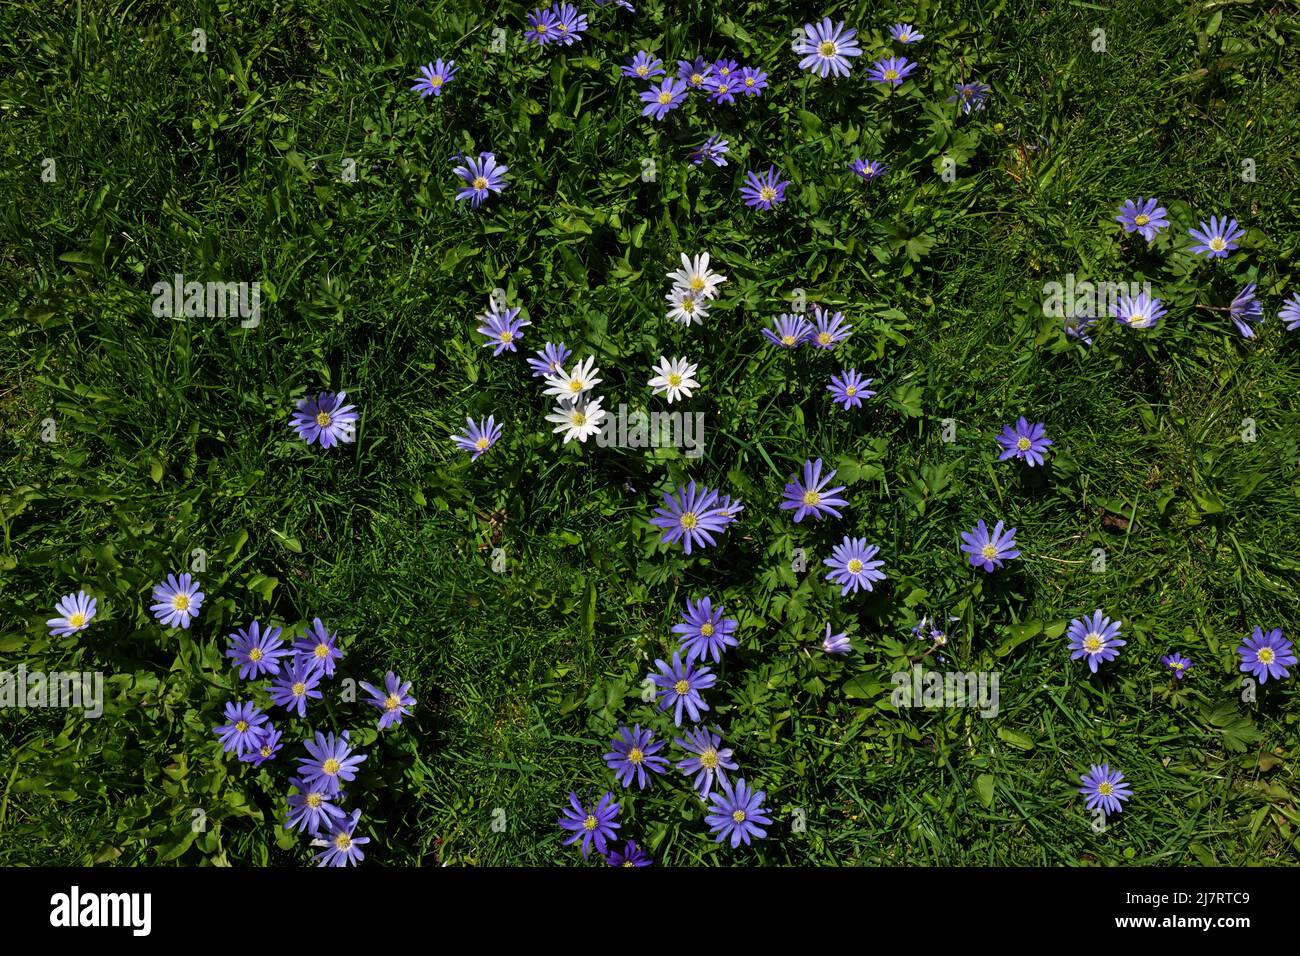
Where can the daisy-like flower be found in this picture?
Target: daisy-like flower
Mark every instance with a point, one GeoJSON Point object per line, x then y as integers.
{"type": "Point", "coordinates": [852, 565]}
{"type": "Point", "coordinates": [811, 496]}
{"type": "Point", "coordinates": [709, 760]}
{"type": "Point", "coordinates": [312, 808]}
{"type": "Point", "coordinates": [1104, 788]}
{"type": "Point", "coordinates": [319, 645]}
{"type": "Point", "coordinates": [695, 74]}
{"type": "Point", "coordinates": [541, 27]}
{"type": "Point", "coordinates": [243, 730]}
{"type": "Point", "coordinates": [501, 329]}
{"type": "Point", "coordinates": [580, 419]}
{"type": "Point", "coordinates": [831, 328]}
{"type": "Point", "coordinates": [836, 643]}
{"type": "Point", "coordinates": [687, 307]}
{"type": "Point", "coordinates": [1096, 638]}
{"type": "Point", "coordinates": [713, 149]}
{"type": "Point", "coordinates": [696, 277]}
{"type": "Point", "coordinates": [569, 23]}
{"type": "Point", "coordinates": [594, 826]}
{"type": "Point", "coordinates": [789, 331]}
{"type": "Point", "coordinates": [483, 177]}
{"type": "Point", "coordinates": [1137, 312]}
{"type": "Point", "coordinates": [673, 379]}
{"type": "Point", "coordinates": [969, 97]}
{"type": "Point", "coordinates": [725, 67]}
{"type": "Point", "coordinates": [630, 855]}
{"type": "Point", "coordinates": [257, 651]}
{"type": "Point", "coordinates": [826, 48]}
{"type": "Point", "coordinates": [266, 750]}
{"type": "Point", "coordinates": [434, 78]}
{"type": "Point", "coordinates": [905, 33]}
{"type": "Point", "coordinates": [567, 386]}
{"type": "Point", "coordinates": [550, 360]}
{"type": "Point", "coordinates": [1077, 326]}
{"type": "Point", "coordinates": [661, 100]}
{"type": "Point", "coordinates": [1145, 216]}
{"type": "Point", "coordinates": [691, 516]}
{"type": "Point", "coordinates": [989, 551]}
{"type": "Point", "coordinates": [342, 847]}
{"type": "Point", "coordinates": [478, 438]}
{"type": "Point", "coordinates": [330, 761]}
{"type": "Point", "coordinates": [849, 389]}
{"type": "Point", "coordinates": [643, 66]}
{"type": "Point", "coordinates": [177, 600]}
{"type": "Point", "coordinates": [1177, 664]}
{"type": "Point", "coordinates": [632, 756]}
{"type": "Point", "coordinates": [679, 688]}
{"type": "Point", "coordinates": [75, 613]}
{"type": "Point", "coordinates": [1217, 238]}
{"type": "Point", "coordinates": [868, 169]}
{"type": "Point", "coordinates": [704, 631]}
{"type": "Point", "coordinates": [723, 89]}
{"type": "Point", "coordinates": [728, 510]}
{"type": "Point", "coordinates": [325, 420]}
{"type": "Point", "coordinates": [1245, 310]}
{"type": "Point", "coordinates": [765, 190]}
{"type": "Point", "coordinates": [753, 81]}
{"type": "Point", "coordinates": [392, 701]}
{"type": "Point", "coordinates": [892, 70]}
{"type": "Point", "coordinates": [1024, 441]}
{"type": "Point", "coordinates": [1266, 654]}
{"type": "Point", "coordinates": [296, 685]}
{"type": "Point", "coordinates": [737, 812]}
{"type": "Point", "coordinates": [1290, 313]}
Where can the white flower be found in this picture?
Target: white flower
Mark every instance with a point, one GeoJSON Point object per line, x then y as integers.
{"type": "Point", "coordinates": [569, 385]}
{"type": "Point", "coordinates": [687, 307]}
{"type": "Point", "coordinates": [674, 378]}
{"type": "Point", "coordinates": [696, 277]}
{"type": "Point", "coordinates": [578, 420]}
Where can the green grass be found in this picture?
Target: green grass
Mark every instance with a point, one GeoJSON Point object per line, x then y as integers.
{"type": "Point", "coordinates": [172, 436]}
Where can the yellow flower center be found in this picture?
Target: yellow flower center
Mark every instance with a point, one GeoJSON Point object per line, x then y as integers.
{"type": "Point", "coordinates": [299, 689]}
{"type": "Point", "coordinates": [76, 620]}
{"type": "Point", "coordinates": [851, 391]}
{"type": "Point", "coordinates": [689, 520]}
{"type": "Point", "coordinates": [709, 759]}
{"type": "Point", "coordinates": [331, 766]}
{"type": "Point", "coordinates": [749, 81]}
{"type": "Point", "coordinates": [826, 48]}
{"type": "Point", "coordinates": [1141, 220]}
{"type": "Point", "coordinates": [589, 824]}
{"type": "Point", "coordinates": [1266, 655]}
{"type": "Point", "coordinates": [697, 284]}
{"type": "Point", "coordinates": [811, 497]}
{"type": "Point", "coordinates": [241, 726]}
{"type": "Point", "coordinates": [738, 816]}
{"type": "Point", "coordinates": [674, 379]}
{"type": "Point", "coordinates": [314, 800]}
{"type": "Point", "coordinates": [697, 79]}
{"type": "Point", "coordinates": [482, 444]}
{"type": "Point", "coordinates": [255, 655]}
{"type": "Point", "coordinates": [767, 193]}
{"type": "Point", "coordinates": [665, 97]}
{"type": "Point", "coordinates": [435, 81]}
{"type": "Point", "coordinates": [507, 336]}
{"type": "Point", "coordinates": [575, 385]}
{"type": "Point", "coordinates": [989, 551]}
{"type": "Point", "coordinates": [579, 419]}
{"type": "Point", "coordinates": [1023, 444]}
{"type": "Point", "coordinates": [1218, 243]}
{"type": "Point", "coordinates": [682, 687]}
{"type": "Point", "coordinates": [855, 566]}
{"type": "Point", "coordinates": [323, 419]}
{"type": "Point", "coordinates": [1105, 788]}
{"type": "Point", "coordinates": [480, 182]}
{"type": "Point", "coordinates": [824, 338]}
{"type": "Point", "coordinates": [542, 28]}
{"type": "Point", "coordinates": [392, 702]}
{"type": "Point", "coordinates": [343, 841]}
{"type": "Point", "coordinates": [322, 651]}
{"type": "Point", "coordinates": [787, 340]}
{"type": "Point", "coordinates": [266, 750]}
{"type": "Point", "coordinates": [181, 602]}
{"type": "Point", "coordinates": [1092, 643]}
{"type": "Point", "coordinates": [642, 70]}
{"type": "Point", "coordinates": [707, 628]}
{"type": "Point", "coordinates": [628, 863]}
{"type": "Point", "coordinates": [635, 755]}
{"type": "Point", "coordinates": [890, 74]}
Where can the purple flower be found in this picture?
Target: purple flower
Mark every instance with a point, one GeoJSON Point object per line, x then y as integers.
{"type": "Point", "coordinates": [1077, 326]}
{"type": "Point", "coordinates": [502, 329]}
{"type": "Point", "coordinates": [391, 702]}
{"type": "Point", "coordinates": [849, 389]}
{"type": "Point", "coordinates": [296, 684]}
{"type": "Point", "coordinates": [325, 419]}
{"type": "Point", "coordinates": [826, 47]}
{"type": "Point", "coordinates": [257, 651]}
{"type": "Point", "coordinates": [541, 27]}
{"type": "Point", "coordinates": [632, 753]}
{"type": "Point", "coordinates": [75, 613]}
{"type": "Point", "coordinates": [725, 67]}
{"type": "Point", "coordinates": [713, 149]}
{"type": "Point", "coordinates": [478, 438]}
{"type": "Point", "coordinates": [811, 496]}
{"type": "Point", "coordinates": [312, 807]}
{"type": "Point", "coordinates": [723, 88]}
{"type": "Point", "coordinates": [868, 169]}
{"type": "Point", "coordinates": [1104, 788]}
{"type": "Point", "coordinates": [905, 33]}
{"type": "Point", "coordinates": [1096, 638]}
{"type": "Point", "coordinates": [764, 191]}
{"type": "Point", "coordinates": [1137, 312]}
{"type": "Point", "coordinates": [643, 66]}
{"type": "Point", "coordinates": [852, 565]}
{"type": "Point", "coordinates": [590, 826]}
{"type": "Point", "coordinates": [244, 729]}
{"type": "Point", "coordinates": [1266, 655]}
{"type": "Point", "coordinates": [836, 643]}
{"type": "Point", "coordinates": [331, 760]}
{"type": "Point", "coordinates": [695, 74]}
{"type": "Point", "coordinates": [319, 645]}
{"type": "Point", "coordinates": [1024, 441]}
{"type": "Point", "coordinates": [831, 328]}
{"type": "Point", "coordinates": [690, 517]}
{"type": "Point", "coordinates": [266, 750]}
{"type": "Point", "coordinates": [988, 551]}
{"type": "Point", "coordinates": [704, 631]}
{"type": "Point", "coordinates": [434, 77]}
{"type": "Point", "coordinates": [669, 95]}
{"type": "Point", "coordinates": [710, 762]}
{"type": "Point", "coordinates": [569, 23]}
{"type": "Point", "coordinates": [892, 70]}
{"type": "Point", "coordinates": [1177, 663]}
{"type": "Point", "coordinates": [631, 855]}
{"type": "Point", "coordinates": [550, 360]}
{"type": "Point", "coordinates": [789, 331]}
{"type": "Point", "coordinates": [753, 81]}
{"type": "Point", "coordinates": [177, 600]}
{"type": "Point", "coordinates": [1245, 309]}
{"type": "Point", "coordinates": [1218, 238]}
{"type": "Point", "coordinates": [342, 848]}
{"type": "Point", "coordinates": [728, 509]}
{"type": "Point", "coordinates": [483, 176]}
{"type": "Point", "coordinates": [1290, 312]}
{"type": "Point", "coordinates": [680, 686]}
{"type": "Point", "coordinates": [969, 97]}
{"type": "Point", "coordinates": [738, 813]}
{"type": "Point", "coordinates": [1145, 216]}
